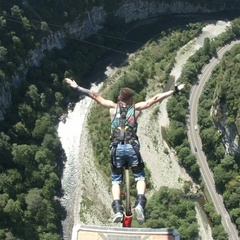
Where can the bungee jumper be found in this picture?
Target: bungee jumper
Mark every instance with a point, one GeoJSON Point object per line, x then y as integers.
{"type": "Point", "coordinates": [124, 143]}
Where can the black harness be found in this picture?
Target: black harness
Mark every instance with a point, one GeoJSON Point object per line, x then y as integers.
{"type": "Point", "coordinates": [124, 134]}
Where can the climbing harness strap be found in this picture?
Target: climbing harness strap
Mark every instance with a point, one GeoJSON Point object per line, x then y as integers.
{"type": "Point", "coordinates": [123, 112]}
{"type": "Point", "coordinates": [135, 169]}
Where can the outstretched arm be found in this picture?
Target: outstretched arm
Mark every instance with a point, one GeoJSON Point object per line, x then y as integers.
{"type": "Point", "coordinates": [95, 96]}
{"type": "Point", "coordinates": [157, 98]}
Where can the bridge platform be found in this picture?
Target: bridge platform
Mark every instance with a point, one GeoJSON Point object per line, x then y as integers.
{"type": "Point", "coordinates": [88, 232]}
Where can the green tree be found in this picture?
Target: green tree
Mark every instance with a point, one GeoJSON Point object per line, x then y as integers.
{"type": "Point", "coordinates": [183, 153]}
{"type": "Point", "coordinates": [26, 24]}
{"type": "Point", "coordinates": [2, 75]}
{"type": "Point", "coordinates": [14, 211]}
{"type": "Point", "coordinates": [3, 202]}
{"type": "Point", "coordinates": [219, 233]}
{"type": "Point", "coordinates": [33, 95]}
{"type": "Point", "coordinates": [235, 213]}
{"type": "Point", "coordinates": [59, 99]}
{"type": "Point", "coordinates": [44, 26]}
{"type": "Point", "coordinates": [3, 53]}
{"type": "Point", "coordinates": [27, 115]}
{"type": "Point", "coordinates": [17, 41]}
{"type": "Point", "coordinates": [24, 155]}
{"type": "Point", "coordinates": [21, 131]}
{"type": "Point", "coordinates": [208, 138]}
{"type": "Point", "coordinates": [51, 185]}
{"type": "Point", "coordinates": [43, 126]}
{"type": "Point", "coordinates": [222, 176]}
{"type": "Point", "coordinates": [176, 110]}
{"type": "Point", "coordinates": [5, 150]}
{"type": "Point", "coordinates": [176, 134]}
{"type": "Point", "coordinates": [2, 22]}
{"type": "Point", "coordinates": [236, 26]}
{"type": "Point", "coordinates": [16, 11]}
{"type": "Point", "coordinates": [206, 46]}
{"type": "Point", "coordinates": [34, 201]}
{"type": "Point", "coordinates": [52, 142]}
{"type": "Point", "coordinates": [11, 182]}
{"type": "Point", "coordinates": [228, 162]}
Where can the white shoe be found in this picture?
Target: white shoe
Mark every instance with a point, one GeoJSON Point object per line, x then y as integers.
{"type": "Point", "coordinates": [140, 214]}
{"type": "Point", "coordinates": [118, 217]}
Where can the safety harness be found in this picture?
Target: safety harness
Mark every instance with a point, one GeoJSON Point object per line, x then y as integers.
{"type": "Point", "coordinates": [125, 133]}
{"type": "Point", "coordinates": [124, 127]}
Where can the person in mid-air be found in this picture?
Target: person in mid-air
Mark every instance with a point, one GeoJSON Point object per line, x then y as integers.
{"type": "Point", "coordinates": [124, 144]}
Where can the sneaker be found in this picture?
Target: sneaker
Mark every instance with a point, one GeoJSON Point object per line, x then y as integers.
{"type": "Point", "coordinates": [140, 213]}
{"type": "Point", "coordinates": [118, 217]}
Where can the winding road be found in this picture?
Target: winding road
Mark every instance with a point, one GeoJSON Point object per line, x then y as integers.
{"type": "Point", "coordinates": [196, 143]}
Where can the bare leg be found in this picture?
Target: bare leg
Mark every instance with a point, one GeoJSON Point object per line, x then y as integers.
{"type": "Point", "coordinates": [116, 191]}
{"type": "Point", "coordinates": [141, 187]}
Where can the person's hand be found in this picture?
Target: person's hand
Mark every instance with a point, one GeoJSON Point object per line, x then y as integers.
{"type": "Point", "coordinates": [71, 83]}
{"type": "Point", "coordinates": [178, 88]}
{"type": "Point", "coordinates": [181, 86]}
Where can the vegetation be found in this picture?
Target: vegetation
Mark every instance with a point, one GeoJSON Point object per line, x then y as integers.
{"type": "Point", "coordinates": [31, 155]}
{"type": "Point", "coordinates": [32, 158]}
{"type": "Point", "coordinates": [225, 165]}
{"type": "Point", "coordinates": [180, 213]}
{"type": "Point", "coordinates": [212, 139]}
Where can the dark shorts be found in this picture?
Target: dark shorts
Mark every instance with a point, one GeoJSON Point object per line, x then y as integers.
{"type": "Point", "coordinates": [126, 153]}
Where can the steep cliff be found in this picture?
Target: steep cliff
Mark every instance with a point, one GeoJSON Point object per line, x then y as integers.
{"type": "Point", "coordinates": [139, 10]}
{"type": "Point", "coordinates": [230, 132]}
{"type": "Point", "coordinates": [93, 21]}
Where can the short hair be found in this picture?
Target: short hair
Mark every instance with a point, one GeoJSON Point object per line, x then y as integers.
{"type": "Point", "coordinates": [125, 94]}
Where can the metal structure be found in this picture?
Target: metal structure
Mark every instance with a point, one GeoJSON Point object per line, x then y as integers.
{"type": "Point", "coordinates": [83, 232]}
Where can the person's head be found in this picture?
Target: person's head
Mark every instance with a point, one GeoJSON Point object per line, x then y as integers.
{"type": "Point", "coordinates": [125, 95]}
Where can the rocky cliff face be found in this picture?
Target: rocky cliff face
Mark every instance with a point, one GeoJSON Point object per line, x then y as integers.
{"type": "Point", "coordinates": [130, 11]}
{"type": "Point", "coordinates": [230, 132]}
{"type": "Point", "coordinates": [144, 9]}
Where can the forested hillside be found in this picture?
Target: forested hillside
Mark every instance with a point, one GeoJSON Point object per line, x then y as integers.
{"type": "Point", "coordinates": [31, 155]}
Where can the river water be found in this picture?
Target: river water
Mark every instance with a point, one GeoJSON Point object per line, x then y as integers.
{"type": "Point", "coordinates": [70, 130]}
